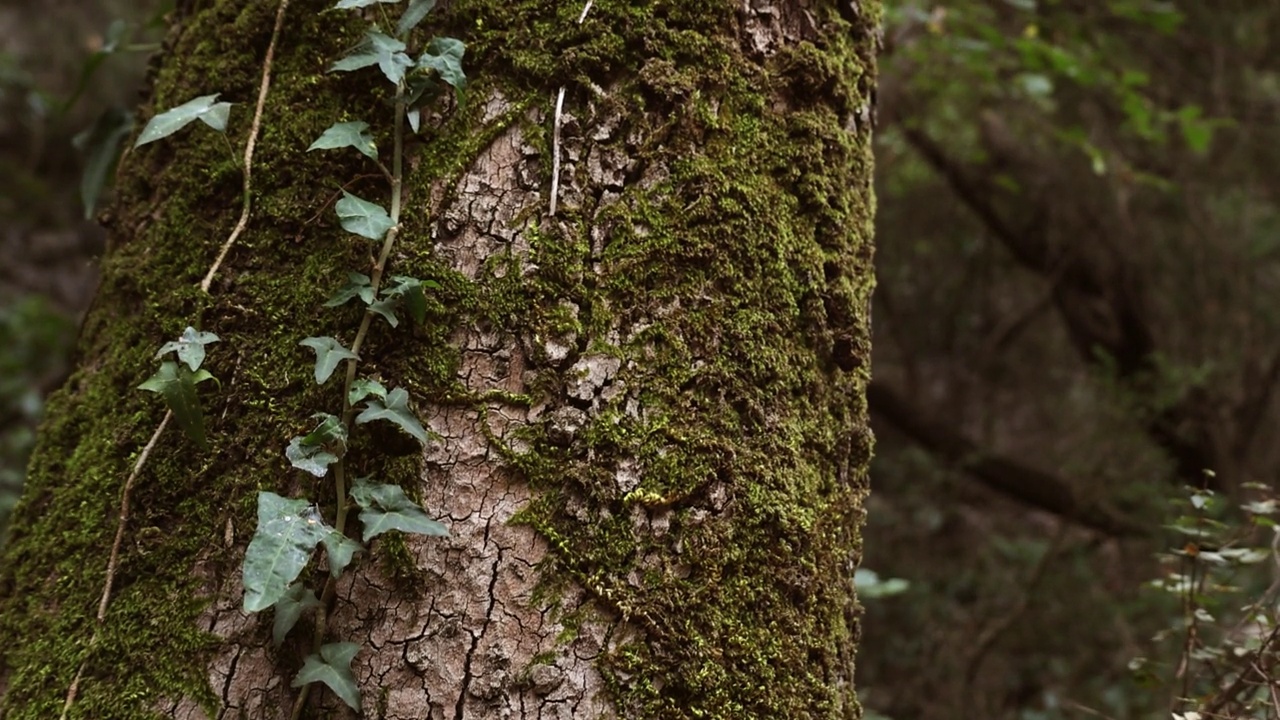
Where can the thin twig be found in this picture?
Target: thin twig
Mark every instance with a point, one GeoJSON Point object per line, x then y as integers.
{"type": "Point", "coordinates": [113, 560]}
{"type": "Point", "coordinates": [555, 152]}
{"type": "Point", "coordinates": [122, 519]}
{"type": "Point", "coordinates": [249, 146]}
{"type": "Point", "coordinates": [555, 131]}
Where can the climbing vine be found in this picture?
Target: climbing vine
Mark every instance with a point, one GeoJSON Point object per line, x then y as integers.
{"type": "Point", "coordinates": [292, 533]}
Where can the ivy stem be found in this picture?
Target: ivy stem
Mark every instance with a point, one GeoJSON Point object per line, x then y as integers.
{"type": "Point", "coordinates": [348, 410]}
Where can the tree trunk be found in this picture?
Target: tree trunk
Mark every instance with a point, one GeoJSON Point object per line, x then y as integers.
{"type": "Point", "coordinates": [652, 432]}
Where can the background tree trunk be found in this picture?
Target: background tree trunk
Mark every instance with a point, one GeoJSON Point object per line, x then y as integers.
{"type": "Point", "coordinates": [654, 438]}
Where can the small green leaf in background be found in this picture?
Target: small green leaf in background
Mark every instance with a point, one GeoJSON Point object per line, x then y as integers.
{"type": "Point", "coordinates": [329, 354]}
{"type": "Point", "coordinates": [386, 507]}
{"type": "Point", "coordinates": [190, 347]}
{"type": "Point", "coordinates": [177, 385]}
{"type": "Point", "coordinates": [870, 585]}
{"type": "Point", "coordinates": [354, 4]}
{"type": "Point", "coordinates": [333, 668]}
{"type": "Point", "coordinates": [362, 217]}
{"type": "Point", "coordinates": [363, 388]}
{"type": "Point", "coordinates": [358, 285]}
{"type": "Point", "coordinates": [381, 50]}
{"type": "Point", "coordinates": [296, 600]}
{"type": "Point", "coordinates": [444, 55]}
{"type": "Point", "coordinates": [395, 408]}
{"type": "Point", "coordinates": [101, 145]}
{"type": "Point", "coordinates": [213, 114]}
{"type": "Point", "coordinates": [341, 549]}
{"type": "Point", "coordinates": [347, 134]}
{"type": "Point", "coordinates": [413, 15]}
{"type": "Point", "coordinates": [288, 532]}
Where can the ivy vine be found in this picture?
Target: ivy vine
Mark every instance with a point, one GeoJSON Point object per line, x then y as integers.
{"type": "Point", "coordinates": [292, 533]}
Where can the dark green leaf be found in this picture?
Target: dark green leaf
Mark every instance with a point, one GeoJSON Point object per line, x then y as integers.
{"type": "Point", "coordinates": [213, 114]}
{"type": "Point", "coordinates": [330, 433]}
{"type": "Point", "coordinates": [386, 307]}
{"type": "Point", "coordinates": [444, 56]}
{"type": "Point", "coordinates": [362, 218]}
{"type": "Point", "coordinates": [394, 408]}
{"type": "Point", "coordinates": [386, 507]}
{"type": "Point", "coordinates": [329, 354]}
{"type": "Point", "coordinates": [341, 549]}
{"type": "Point", "coordinates": [413, 15]}
{"type": "Point", "coordinates": [177, 385]}
{"type": "Point", "coordinates": [410, 291]}
{"type": "Point", "coordinates": [296, 600]}
{"type": "Point", "coordinates": [381, 50]}
{"type": "Point", "coordinates": [314, 459]}
{"type": "Point", "coordinates": [288, 531]}
{"type": "Point", "coordinates": [102, 146]}
{"type": "Point", "coordinates": [189, 346]}
{"type": "Point", "coordinates": [363, 388]}
{"type": "Point", "coordinates": [358, 285]}
{"type": "Point", "coordinates": [333, 668]}
{"type": "Point", "coordinates": [347, 134]}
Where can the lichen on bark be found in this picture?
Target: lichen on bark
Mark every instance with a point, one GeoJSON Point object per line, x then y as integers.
{"type": "Point", "coordinates": [654, 436]}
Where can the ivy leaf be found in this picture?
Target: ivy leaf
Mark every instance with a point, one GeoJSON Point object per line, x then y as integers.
{"type": "Point", "coordinates": [329, 354]}
{"type": "Point", "coordinates": [395, 408]}
{"type": "Point", "coordinates": [177, 385]}
{"type": "Point", "coordinates": [386, 507]}
{"type": "Point", "coordinates": [444, 55]}
{"type": "Point", "coordinates": [213, 114]}
{"type": "Point", "coordinates": [362, 217]}
{"type": "Point", "coordinates": [386, 307]}
{"type": "Point", "coordinates": [353, 4]}
{"type": "Point", "coordinates": [363, 388]}
{"type": "Point", "coordinates": [329, 433]}
{"type": "Point", "coordinates": [101, 143]}
{"type": "Point", "coordinates": [288, 531]}
{"type": "Point", "coordinates": [296, 600]}
{"type": "Point", "coordinates": [333, 668]}
{"type": "Point", "coordinates": [358, 285]}
{"type": "Point", "coordinates": [410, 291]}
{"type": "Point", "coordinates": [190, 347]}
{"type": "Point", "coordinates": [413, 15]}
{"type": "Point", "coordinates": [341, 549]}
{"type": "Point", "coordinates": [384, 51]}
{"type": "Point", "coordinates": [309, 458]}
{"type": "Point", "coordinates": [320, 448]}
{"type": "Point", "coordinates": [347, 134]}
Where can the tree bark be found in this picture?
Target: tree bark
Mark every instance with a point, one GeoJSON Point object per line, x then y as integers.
{"type": "Point", "coordinates": [652, 427]}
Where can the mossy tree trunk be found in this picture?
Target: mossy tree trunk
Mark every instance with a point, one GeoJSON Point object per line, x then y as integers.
{"type": "Point", "coordinates": [653, 442]}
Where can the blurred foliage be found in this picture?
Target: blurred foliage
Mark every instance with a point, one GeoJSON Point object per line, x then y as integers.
{"type": "Point", "coordinates": [1075, 319]}
{"type": "Point", "coordinates": [1223, 649]}
{"type": "Point", "coordinates": [34, 338]}
{"type": "Point", "coordinates": [67, 80]}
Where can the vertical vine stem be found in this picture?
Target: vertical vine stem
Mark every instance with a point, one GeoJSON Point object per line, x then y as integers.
{"type": "Point", "coordinates": [348, 410]}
